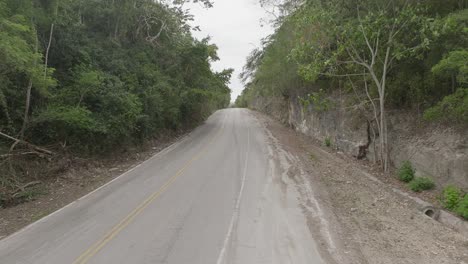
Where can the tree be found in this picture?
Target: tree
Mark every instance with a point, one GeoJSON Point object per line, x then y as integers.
{"type": "Point", "coordinates": [53, 6]}
{"type": "Point", "coordinates": [385, 54]}
{"type": "Point", "coordinates": [19, 47]}
{"type": "Point", "coordinates": [454, 67]}
{"type": "Point", "coordinates": [116, 71]}
{"type": "Point", "coordinates": [367, 46]}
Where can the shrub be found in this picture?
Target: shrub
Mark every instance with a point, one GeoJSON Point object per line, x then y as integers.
{"type": "Point", "coordinates": [327, 142]}
{"type": "Point", "coordinates": [462, 208]}
{"type": "Point", "coordinates": [451, 196]}
{"type": "Point", "coordinates": [406, 172]}
{"type": "Point", "coordinates": [420, 184]}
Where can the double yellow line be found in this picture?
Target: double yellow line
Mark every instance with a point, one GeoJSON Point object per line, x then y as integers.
{"type": "Point", "coordinates": [96, 247]}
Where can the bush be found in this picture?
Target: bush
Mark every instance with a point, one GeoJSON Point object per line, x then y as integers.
{"type": "Point", "coordinates": [406, 172]}
{"type": "Point", "coordinates": [327, 142]}
{"type": "Point", "coordinates": [453, 108]}
{"type": "Point", "coordinates": [420, 184]}
{"type": "Point", "coordinates": [462, 208]}
{"type": "Point", "coordinates": [451, 196]}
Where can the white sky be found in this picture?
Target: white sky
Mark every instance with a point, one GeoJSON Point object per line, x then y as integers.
{"type": "Point", "coordinates": [235, 27]}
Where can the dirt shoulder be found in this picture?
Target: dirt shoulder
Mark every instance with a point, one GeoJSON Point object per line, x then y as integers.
{"type": "Point", "coordinates": [81, 177]}
{"type": "Point", "coordinates": [359, 220]}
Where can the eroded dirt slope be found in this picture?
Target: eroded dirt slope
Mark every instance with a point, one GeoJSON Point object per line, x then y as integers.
{"type": "Point", "coordinates": [360, 220]}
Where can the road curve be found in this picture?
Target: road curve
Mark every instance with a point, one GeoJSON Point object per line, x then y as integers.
{"type": "Point", "coordinates": [212, 197]}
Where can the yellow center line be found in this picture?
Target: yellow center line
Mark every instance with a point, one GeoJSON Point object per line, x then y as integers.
{"type": "Point", "coordinates": [96, 247]}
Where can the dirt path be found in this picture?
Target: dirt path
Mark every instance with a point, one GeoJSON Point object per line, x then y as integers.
{"type": "Point", "coordinates": [361, 220]}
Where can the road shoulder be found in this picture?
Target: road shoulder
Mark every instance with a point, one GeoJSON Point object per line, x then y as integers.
{"type": "Point", "coordinates": [360, 220]}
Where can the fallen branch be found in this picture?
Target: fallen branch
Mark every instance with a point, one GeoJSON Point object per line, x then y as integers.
{"type": "Point", "coordinates": [23, 188]}
{"type": "Point", "coordinates": [20, 141]}
{"type": "Point", "coordinates": [4, 156]}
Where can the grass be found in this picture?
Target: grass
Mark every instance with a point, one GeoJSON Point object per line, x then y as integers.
{"type": "Point", "coordinates": [328, 142]}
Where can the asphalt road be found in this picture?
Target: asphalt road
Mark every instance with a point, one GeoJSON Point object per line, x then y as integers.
{"type": "Point", "coordinates": [209, 198]}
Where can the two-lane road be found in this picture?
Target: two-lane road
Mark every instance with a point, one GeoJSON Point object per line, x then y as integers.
{"type": "Point", "coordinates": [197, 202]}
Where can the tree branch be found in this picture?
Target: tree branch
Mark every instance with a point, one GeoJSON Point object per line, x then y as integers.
{"type": "Point", "coordinates": [20, 141]}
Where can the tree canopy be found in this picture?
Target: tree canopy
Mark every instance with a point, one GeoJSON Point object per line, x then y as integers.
{"type": "Point", "coordinates": [322, 42]}
{"type": "Point", "coordinates": [94, 75]}
{"type": "Point", "coordinates": [387, 54]}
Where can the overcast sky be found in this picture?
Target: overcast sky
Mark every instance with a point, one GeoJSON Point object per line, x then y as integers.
{"type": "Point", "coordinates": [235, 26]}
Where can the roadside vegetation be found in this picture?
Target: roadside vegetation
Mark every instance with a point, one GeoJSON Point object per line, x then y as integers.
{"type": "Point", "coordinates": [384, 55]}
{"type": "Point", "coordinates": [452, 198]}
{"type": "Point", "coordinates": [91, 77]}
{"type": "Point", "coordinates": [406, 172]}
{"type": "Point", "coordinates": [455, 200]}
{"type": "Point", "coordinates": [420, 184]}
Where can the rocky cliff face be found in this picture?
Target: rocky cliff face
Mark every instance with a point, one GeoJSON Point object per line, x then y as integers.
{"type": "Point", "coordinates": [437, 152]}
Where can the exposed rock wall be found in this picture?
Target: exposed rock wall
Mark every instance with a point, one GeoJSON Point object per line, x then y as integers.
{"type": "Point", "coordinates": [436, 152]}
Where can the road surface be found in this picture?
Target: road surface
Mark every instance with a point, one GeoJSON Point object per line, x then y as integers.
{"type": "Point", "coordinates": [217, 196]}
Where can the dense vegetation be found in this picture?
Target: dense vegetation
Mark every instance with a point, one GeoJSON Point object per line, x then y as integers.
{"type": "Point", "coordinates": [386, 54]}
{"type": "Point", "coordinates": [90, 76]}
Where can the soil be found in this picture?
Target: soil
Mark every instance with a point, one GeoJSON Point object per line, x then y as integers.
{"type": "Point", "coordinates": [356, 219]}
{"type": "Point", "coordinates": [81, 177]}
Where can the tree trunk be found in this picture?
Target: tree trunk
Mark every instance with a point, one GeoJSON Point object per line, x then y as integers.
{"type": "Point", "coordinates": [48, 49]}
{"type": "Point", "coordinates": [26, 110]}
{"type": "Point", "coordinates": [28, 99]}
{"type": "Point", "coordinates": [382, 134]}
{"type": "Point", "coordinates": [386, 153]}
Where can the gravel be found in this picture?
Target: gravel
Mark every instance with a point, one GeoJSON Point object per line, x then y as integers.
{"type": "Point", "coordinates": [360, 220]}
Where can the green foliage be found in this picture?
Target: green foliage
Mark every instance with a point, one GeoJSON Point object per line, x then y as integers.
{"type": "Point", "coordinates": [64, 118]}
{"type": "Point", "coordinates": [451, 197]}
{"type": "Point", "coordinates": [453, 108]}
{"type": "Point", "coordinates": [420, 184]}
{"type": "Point", "coordinates": [328, 142]}
{"type": "Point", "coordinates": [317, 100]}
{"type": "Point", "coordinates": [406, 172]}
{"type": "Point", "coordinates": [316, 46]}
{"type": "Point", "coordinates": [453, 200]}
{"type": "Point", "coordinates": [245, 99]}
{"type": "Point", "coordinates": [342, 46]}
{"type": "Point", "coordinates": [120, 71]}
{"type": "Point", "coordinates": [462, 208]}
{"type": "Point", "coordinates": [455, 65]}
